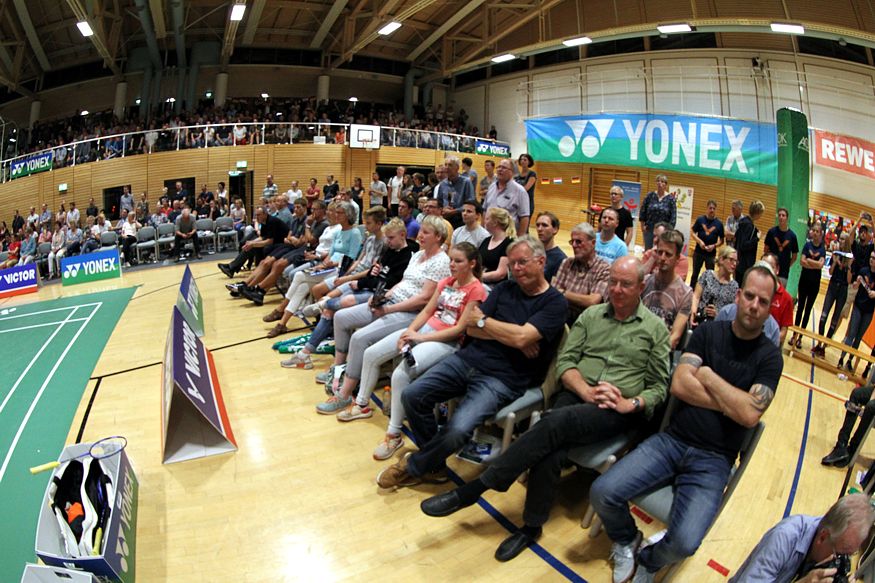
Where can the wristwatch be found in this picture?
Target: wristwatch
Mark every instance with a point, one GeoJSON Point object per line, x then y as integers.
{"type": "Point", "coordinates": [481, 323]}
{"type": "Point", "coordinates": [636, 404]}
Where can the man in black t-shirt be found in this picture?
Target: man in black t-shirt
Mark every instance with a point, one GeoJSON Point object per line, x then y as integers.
{"type": "Point", "coordinates": [782, 242]}
{"type": "Point", "coordinates": [624, 228]}
{"type": "Point", "coordinates": [708, 235]}
{"type": "Point", "coordinates": [724, 382]}
{"type": "Point", "coordinates": [513, 337]}
{"type": "Point", "coordinates": [861, 246]}
{"type": "Point", "coordinates": [273, 231]}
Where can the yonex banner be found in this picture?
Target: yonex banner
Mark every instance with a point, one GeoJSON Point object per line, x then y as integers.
{"type": "Point", "coordinates": [189, 302]}
{"type": "Point", "coordinates": [90, 267]}
{"type": "Point", "coordinates": [195, 423]}
{"type": "Point", "coordinates": [18, 280]}
{"type": "Point", "coordinates": [498, 149]}
{"type": "Point", "coordinates": [31, 165]}
{"type": "Point", "coordinates": [726, 148]}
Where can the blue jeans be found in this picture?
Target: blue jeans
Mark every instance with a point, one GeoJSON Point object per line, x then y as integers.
{"type": "Point", "coordinates": [698, 478]}
{"type": "Point", "coordinates": [857, 327]}
{"type": "Point", "coordinates": [482, 397]}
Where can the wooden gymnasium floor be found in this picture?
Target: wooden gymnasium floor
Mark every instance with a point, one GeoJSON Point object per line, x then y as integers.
{"type": "Point", "coordinates": [298, 500]}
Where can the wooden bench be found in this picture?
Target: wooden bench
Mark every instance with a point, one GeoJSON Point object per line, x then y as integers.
{"type": "Point", "coordinates": [805, 354]}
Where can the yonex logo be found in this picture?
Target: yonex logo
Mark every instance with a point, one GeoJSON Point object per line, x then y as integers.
{"type": "Point", "coordinates": [72, 270]}
{"type": "Point", "coordinates": [590, 145]}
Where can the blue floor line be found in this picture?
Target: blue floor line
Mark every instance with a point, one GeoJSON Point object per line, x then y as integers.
{"type": "Point", "coordinates": [802, 445]}
{"type": "Point", "coordinates": [501, 519]}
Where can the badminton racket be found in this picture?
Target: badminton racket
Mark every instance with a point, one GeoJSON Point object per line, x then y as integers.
{"type": "Point", "coordinates": [104, 448]}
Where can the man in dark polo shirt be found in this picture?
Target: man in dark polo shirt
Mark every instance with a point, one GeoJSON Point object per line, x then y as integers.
{"type": "Point", "coordinates": [185, 231]}
{"type": "Point", "coordinates": [708, 235]}
{"type": "Point", "coordinates": [273, 231]}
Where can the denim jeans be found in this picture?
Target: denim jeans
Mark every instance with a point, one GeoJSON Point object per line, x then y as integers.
{"type": "Point", "coordinates": [698, 478]}
{"type": "Point", "coordinates": [856, 328]}
{"type": "Point", "coordinates": [482, 397]}
{"type": "Point", "coordinates": [837, 297]}
{"type": "Point", "coordinates": [544, 448]}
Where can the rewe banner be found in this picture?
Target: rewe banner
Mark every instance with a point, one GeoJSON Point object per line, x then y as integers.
{"type": "Point", "coordinates": [726, 148]}
{"type": "Point", "coordinates": [844, 153]}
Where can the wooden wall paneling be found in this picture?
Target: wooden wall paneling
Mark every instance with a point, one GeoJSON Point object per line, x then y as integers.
{"type": "Point", "coordinates": [304, 161]}
{"type": "Point", "coordinates": [393, 156]}
{"type": "Point", "coordinates": [361, 164]}
{"type": "Point", "coordinates": [20, 194]}
{"type": "Point", "coordinates": [74, 193]}
{"type": "Point", "coordinates": [82, 183]}
{"type": "Point", "coordinates": [601, 178]}
{"type": "Point", "coordinates": [219, 163]}
{"type": "Point", "coordinates": [565, 200]}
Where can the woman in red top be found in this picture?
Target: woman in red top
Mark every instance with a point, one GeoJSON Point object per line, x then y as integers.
{"type": "Point", "coordinates": [313, 193]}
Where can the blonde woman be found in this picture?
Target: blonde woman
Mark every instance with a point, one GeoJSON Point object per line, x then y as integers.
{"type": "Point", "coordinates": [715, 288]}
{"type": "Point", "coordinates": [493, 250]}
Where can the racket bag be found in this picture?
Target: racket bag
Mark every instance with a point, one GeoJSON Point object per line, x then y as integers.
{"type": "Point", "coordinates": [65, 494]}
{"type": "Point", "coordinates": [97, 497]}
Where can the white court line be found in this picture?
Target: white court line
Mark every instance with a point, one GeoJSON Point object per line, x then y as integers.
{"type": "Point", "coordinates": [28, 314]}
{"type": "Point", "coordinates": [42, 325]}
{"type": "Point", "coordinates": [42, 390]}
{"type": "Point", "coordinates": [34, 359]}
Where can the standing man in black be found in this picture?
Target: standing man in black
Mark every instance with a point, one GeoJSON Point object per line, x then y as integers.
{"type": "Point", "coordinates": [708, 235]}
{"type": "Point", "coordinates": [273, 232]}
{"type": "Point", "coordinates": [782, 241]}
{"type": "Point", "coordinates": [747, 237]}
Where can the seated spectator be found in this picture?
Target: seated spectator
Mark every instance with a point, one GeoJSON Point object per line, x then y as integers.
{"type": "Point", "coordinates": [72, 242]}
{"type": "Point", "coordinates": [273, 231]}
{"type": "Point", "coordinates": [405, 213]}
{"type": "Point", "coordinates": [28, 246]}
{"type": "Point", "coordinates": [649, 258]}
{"type": "Point", "coordinates": [389, 268]}
{"type": "Point", "coordinates": [142, 209]}
{"type": "Point", "coordinates": [345, 196]}
{"type": "Point", "coordinates": [14, 251]}
{"type": "Point", "coordinates": [60, 216]}
{"type": "Point", "coordinates": [513, 339]}
{"type": "Point", "coordinates": [547, 226]}
{"type": "Point", "coordinates": [609, 386]}
{"type": "Point", "coordinates": [583, 278]}
{"type": "Point", "coordinates": [715, 288]}
{"type": "Point", "coordinates": [471, 231]}
{"type": "Point", "coordinates": [345, 247]}
{"type": "Point", "coordinates": [493, 251]}
{"type": "Point", "coordinates": [45, 235]}
{"type": "Point", "coordinates": [45, 217]}
{"type": "Point", "coordinates": [290, 251]}
{"type": "Point", "coordinates": [91, 234]}
{"type": "Point", "coordinates": [359, 327]}
{"type": "Point", "coordinates": [610, 246]}
{"type": "Point", "coordinates": [800, 548]}
{"type": "Point", "coordinates": [724, 382]}
{"type": "Point", "coordinates": [129, 239]}
{"type": "Point", "coordinates": [782, 303]}
{"type": "Point", "coordinates": [665, 293]}
{"type": "Point", "coordinates": [432, 207]}
{"type": "Point", "coordinates": [859, 405]}
{"type": "Point", "coordinates": [185, 231]}
{"type": "Point", "coordinates": [437, 332]}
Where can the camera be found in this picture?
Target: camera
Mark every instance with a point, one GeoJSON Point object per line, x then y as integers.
{"type": "Point", "coordinates": [407, 354]}
{"type": "Point", "coordinates": [842, 565]}
{"type": "Point", "coordinates": [702, 315]}
{"type": "Point", "coordinates": [379, 298]}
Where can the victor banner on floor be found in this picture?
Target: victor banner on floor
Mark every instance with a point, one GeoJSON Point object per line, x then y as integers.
{"type": "Point", "coordinates": [725, 148]}
{"type": "Point", "coordinates": [21, 279]}
{"type": "Point", "coordinates": [190, 303]}
{"type": "Point", "coordinates": [794, 161]}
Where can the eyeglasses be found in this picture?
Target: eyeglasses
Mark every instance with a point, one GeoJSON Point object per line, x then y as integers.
{"type": "Point", "coordinates": [576, 242]}
{"type": "Point", "coordinates": [521, 262]}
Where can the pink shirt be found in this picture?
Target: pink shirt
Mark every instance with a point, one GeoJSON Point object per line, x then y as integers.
{"type": "Point", "coordinates": [452, 302]}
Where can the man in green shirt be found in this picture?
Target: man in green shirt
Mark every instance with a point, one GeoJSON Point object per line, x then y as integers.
{"type": "Point", "coordinates": [614, 373]}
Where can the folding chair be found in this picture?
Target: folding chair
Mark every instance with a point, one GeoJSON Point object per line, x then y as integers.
{"type": "Point", "coordinates": [147, 239]}
{"type": "Point", "coordinates": [108, 240]}
{"type": "Point", "coordinates": [166, 236]}
{"type": "Point", "coordinates": [225, 230]}
{"type": "Point", "coordinates": [206, 231]}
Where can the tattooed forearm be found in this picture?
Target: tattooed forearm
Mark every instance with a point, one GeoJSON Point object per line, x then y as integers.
{"type": "Point", "coordinates": [762, 396]}
{"type": "Point", "coordinates": [690, 359]}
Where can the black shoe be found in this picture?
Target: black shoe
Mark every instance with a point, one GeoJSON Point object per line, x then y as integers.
{"type": "Point", "coordinates": [514, 545]}
{"type": "Point", "coordinates": [850, 365]}
{"type": "Point", "coordinates": [226, 269]}
{"type": "Point", "coordinates": [867, 370]}
{"type": "Point", "coordinates": [253, 294]}
{"type": "Point", "coordinates": [234, 288]}
{"type": "Point", "coordinates": [442, 504]}
{"type": "Point", "coordinates": [838, 457]}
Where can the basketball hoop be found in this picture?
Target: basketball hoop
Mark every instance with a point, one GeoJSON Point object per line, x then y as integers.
{"type": "Point", "coordinates": [369, 145]}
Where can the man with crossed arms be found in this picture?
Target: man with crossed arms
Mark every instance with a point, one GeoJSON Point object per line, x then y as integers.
{"type": "Point", "coordinates": [724, 382]}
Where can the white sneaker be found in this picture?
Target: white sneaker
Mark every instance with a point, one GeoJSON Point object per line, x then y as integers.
{"type": "Point", "coordinates": [388, 447]}
{"type": "Point", "coordinates": [298, 360]}
{"type": "Point", "coordinates": [312, 310]}
{"type": "Point", "coordinates": [642, 575]}
{"type": "Point", "coordinates": [624, 559]}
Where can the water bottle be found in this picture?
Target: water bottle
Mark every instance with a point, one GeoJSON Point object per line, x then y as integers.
{"type": "Point", "coordinates": [387, 400]}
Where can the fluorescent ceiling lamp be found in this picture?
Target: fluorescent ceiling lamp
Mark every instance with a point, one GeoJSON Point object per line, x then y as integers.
{"type": "Point", "coordinates": [137, 101]}
{"type": "Point", "coordinates": [265, 95]}
{"type": "Point", "coordinates": [208, 94]}
{"type": "Point", "coordinates": [84, 112]}
{"type": "Point", "coordinates": [171, 100]}
{"type": "Point", "coordinates": [673, 28]}
{"type": "Point", "coordinates": [353, 99]}
{"type": "Point", "coordinates": [576, 42]}
{"type": "Point", "coordinates": [237, 12]}
{"type": "Point", "coordinates": [787, 28]}
{"type": "Point", "coordinates": [85, 28]}
{"type": "Point", "coordinates": [12, 140]}
{"type": "Point", "coordinates": [503, 58]}
{"type": "Point", "coordinates": [389, 28]}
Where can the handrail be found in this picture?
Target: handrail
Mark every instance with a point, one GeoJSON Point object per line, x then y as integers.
{"type": "Point", "coordinates": [181, 139]}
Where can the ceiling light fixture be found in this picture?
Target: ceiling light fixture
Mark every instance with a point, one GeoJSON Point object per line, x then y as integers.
{"type": "Point", "coordinates": [576, 42]}
{"type": "Point", "coordinates": [265, 95]}
{"type": "Point", "coordinates": [84, 112]}
{"type": "Point", "coordinates": [389, 28]}
{"type": "Point", "coordinates": [674, 28]}
{"type": "Point", "coordinates": [353, 99]}
{"type": "Point", "coordinates": [787, 28]}
{"type": "Point", "coordinates": [237, 12]}
{"type": "Point", "coordinates": [504, 58]}
{"type": "Point", "coordinates": [85, 28]}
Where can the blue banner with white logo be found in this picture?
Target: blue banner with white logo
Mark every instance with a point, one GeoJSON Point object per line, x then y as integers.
{"type": "Point", "coordinates": [725, 148]}
{"type": "Point", "coordinates": [497, 149]}
{"type": "Point", "coordinates": [18, 280]}
{"type": "Point", "coordinates": [90, 267]}
{"type": "Point", "coordinates": [31, 165]}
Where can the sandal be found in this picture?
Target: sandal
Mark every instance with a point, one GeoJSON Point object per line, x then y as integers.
{"type": "Point", "coordinates": [273, 316]}
{"type": "Point", "coordinates": [277, 330]}
{"type": "Point", "coordinates": [799, 342]}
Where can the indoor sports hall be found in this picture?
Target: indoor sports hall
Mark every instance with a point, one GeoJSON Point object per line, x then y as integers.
{"type": "Point", "coordinates": [164, 133]}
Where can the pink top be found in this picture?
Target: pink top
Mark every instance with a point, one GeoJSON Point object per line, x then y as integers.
{"type": "Point", "coordinates": [452, 302]}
